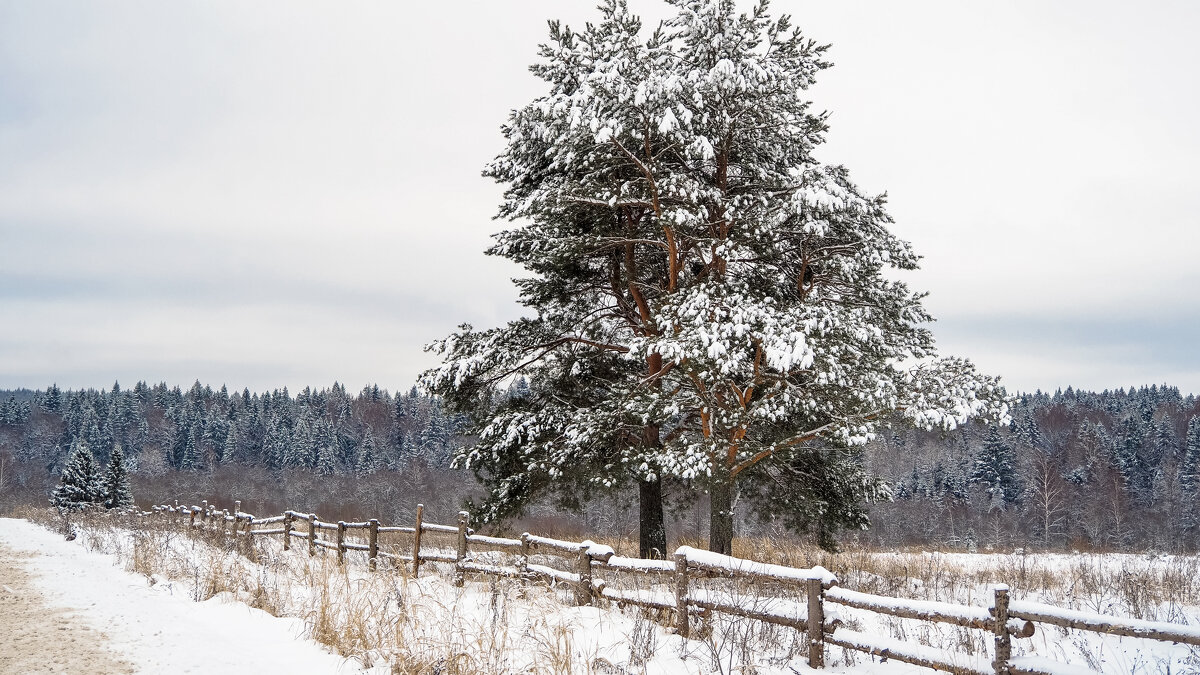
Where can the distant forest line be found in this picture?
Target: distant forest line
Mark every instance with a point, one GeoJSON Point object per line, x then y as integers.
{"type": "Point", "coordinates": [1115, 470]}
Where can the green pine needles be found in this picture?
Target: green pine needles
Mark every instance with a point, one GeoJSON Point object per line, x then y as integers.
{"type": "Point", "coordinates": [708, 302]}
{"type": "Point", "coordinates": [82, 486]}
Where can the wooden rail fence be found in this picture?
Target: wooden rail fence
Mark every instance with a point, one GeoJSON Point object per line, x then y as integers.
{"type": "Point", "coordinates": [683, 591]}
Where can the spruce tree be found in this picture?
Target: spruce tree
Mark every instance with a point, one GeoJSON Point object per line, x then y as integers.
{"type": "Point", "coordinates": [995, 468]}
{"type": "Point", "coordinates": [115, 484]}
{"type": "Point", "coordinates": [368, 459]}
{"type": "Point", "coordinates": [1189, 480]}
{"type": "Point", "coordinates": [80, 484]}
{"type": "Point", "coordinates": [721, 298]}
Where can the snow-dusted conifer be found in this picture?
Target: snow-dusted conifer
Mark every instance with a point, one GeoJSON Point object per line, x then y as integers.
{"type": "Point", "coordinates": [368, 454]}
{"type": "Point", "coordinates": [995, 469]}
{"type": "Point", "coordinates": [115, 483]}
{"type": "Point", "coordinates": [80, 485]}
{"type": "Point", "coordinates": [681, 233]}
{"type": "Point", "coordinates": [1189, 470]}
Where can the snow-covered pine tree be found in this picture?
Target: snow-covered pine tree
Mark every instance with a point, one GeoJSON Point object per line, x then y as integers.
{"type": "Point", "coordinates": [80, 485]}
{"type": "Point", "coordinates": [677, 219]}
{"type": "Point", "coordinates": [1189, 480]}
{"type": "Point", "coordinates": [368, 454]}
{"type": "Point", "coordinates": [995, 469]}
{"type": "Point", "coordinates": [115, 483]}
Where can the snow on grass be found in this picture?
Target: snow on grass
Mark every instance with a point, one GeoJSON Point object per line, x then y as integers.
{"type": "Point", "coordinates": [160, 628]}
{"type": "Point", "coordinates": [399, 624]}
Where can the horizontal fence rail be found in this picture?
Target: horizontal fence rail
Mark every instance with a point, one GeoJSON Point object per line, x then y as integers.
{"type": "Point", "coordinates": [683, 593]}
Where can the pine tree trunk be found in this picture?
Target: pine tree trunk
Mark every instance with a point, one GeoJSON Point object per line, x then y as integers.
{"type": "Point", "coordinates": [652, 531]}
{"type": "Point", "coordinates": [720, 518]}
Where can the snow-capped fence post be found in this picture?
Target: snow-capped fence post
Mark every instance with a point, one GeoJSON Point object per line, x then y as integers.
{"type": "Point", "coordinates": [287, 530]}
{"type": "Point", "coordinates": [225, 523]}
{"type": "Point", "coordinates": [816, 624]}
{"type": "Point", "coordinates": [416, 554]}
{"type": "Point", "coordinates": [461, 556]}
{"type": "Point", "coordinates": [1000, 622]}
{"type": "Point", "coordinates": [372, 543]}
{"type": "Point", "coordinates": [524, 553]}
{"type": "Point", "coordinates": [583, 589]}
{"type": "Point", "coordinates": [341, 542]}
{"type": "Point", "coordinates": [312, 534]}
{"type": "Point", "coordinates": [681, 594]}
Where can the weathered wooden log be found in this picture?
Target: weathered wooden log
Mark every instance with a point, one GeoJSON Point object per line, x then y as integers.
{"type": "Point", "coordinates": [1000, 626]}
{"type": "Point", "coordinates": [288, 519]}
{"type": "Point", "coordinates": [372, 544]}
{"type": "Point", "coordinates": [1111, 625]}
{"type": "Point", "coordinates": [816, 624]}
{"type": "Point", "coordinates": [583, 588]}
{"type": "Point", "coordinates": [924, 610]}
{"type": "Point", "coordinates": [915, 654]}
{"type": "Point", "coordinates": [416, 554]}
{"type": "Point", "coordinates": [341, 543]}
{"type": "Point", "coordinates": [459, 576]}
{"type": "Point", "coordinates": [312, 534]}
{"type": "Point", "coordinates": [681, 594]}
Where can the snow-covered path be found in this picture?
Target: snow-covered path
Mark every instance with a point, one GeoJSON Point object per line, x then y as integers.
{"type": "Point", "coordinates": [158, 629]}
{"type": "Point", "coordinates": [37, 638]}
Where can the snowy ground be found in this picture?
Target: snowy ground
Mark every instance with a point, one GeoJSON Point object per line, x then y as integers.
{"type": "Point", "coordinates": [428, 625]}
{"type": "Point", "coordinates": [157, 629]}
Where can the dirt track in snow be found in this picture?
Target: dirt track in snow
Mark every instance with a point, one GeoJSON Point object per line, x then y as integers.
{"type": "Point", "coordinates": [35, 638]}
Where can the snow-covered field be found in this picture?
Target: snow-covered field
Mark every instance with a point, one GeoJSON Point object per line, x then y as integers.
{"type": "Point", "coordinates": [159, 628]}
{"type": "Point", "coordinates": [188, 608]}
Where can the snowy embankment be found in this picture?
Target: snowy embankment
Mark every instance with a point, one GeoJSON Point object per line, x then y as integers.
{"type": "Point", "coordinates": [159, 628]}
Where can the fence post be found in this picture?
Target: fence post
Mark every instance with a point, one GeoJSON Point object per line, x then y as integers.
{"type": "Point", "coordinates": [681, 594]}
{"type": "Point", "coordinates": [225, 523]}
{"type": "Point", "coordinates": [459, 574]}
{"type": "Point", "coordinates": [1003, 641]}
{"type": "Point", "coordinates": [287, 530]}
{"type": "Point", "coordinates": [191, 517]}
{"type": "Point", "coordinates": [372, 543]}
{"type": "Point", "coordinates": [312, 534]}
{"type": "Point", "coordinates": [524, 553]}
{"type": "Point", "coordinates": [416, 554]}
{"type": "Point", "coordinates": [204, 515]}
{"type": "Point", "coordinates": [816, 624]}
{"type": "Point", "coordinates": [341, 542]}
{"type": "Point", "coordinates": [583, 590]}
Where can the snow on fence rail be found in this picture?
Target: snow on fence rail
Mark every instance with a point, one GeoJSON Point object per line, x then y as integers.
{"type": "Point", "coordinates": [1004, 619]}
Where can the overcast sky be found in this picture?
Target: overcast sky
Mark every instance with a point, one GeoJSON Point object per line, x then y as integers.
{"type": "Point", "coordinates": [288, 193]}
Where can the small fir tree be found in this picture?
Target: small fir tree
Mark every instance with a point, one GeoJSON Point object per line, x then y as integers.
{"type": "Point", "coordinates": [117, 494]}
{"type": "Point", "coordinates": [79, 486]}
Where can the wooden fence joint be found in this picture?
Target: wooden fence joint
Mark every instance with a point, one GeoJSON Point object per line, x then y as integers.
{"type": "Point", "coordinates": [1003, 640]}
{"type": "Point", "coordinates": [816, 624]}
{"type": "Point", "coordinates": [372, 544]}
{"type": "Point", "coordinates": [416, 554]}
{"type": "Point", "coordinates": [312, 534]}
{"type": "Point", "coordinates": [288, 518]}
{"type": "Point", "coordinates": [583, 567]}
{"type": "Point", "coordinates": [681, 594]}
{"type": "Point", "coordinates": [461, 555]}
